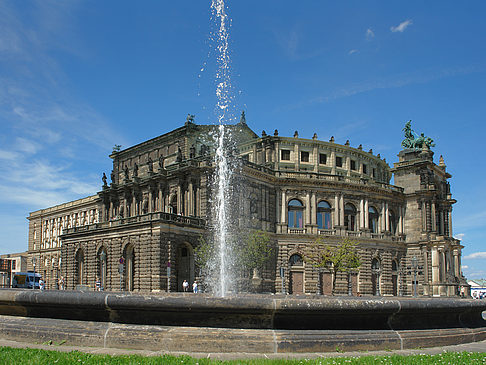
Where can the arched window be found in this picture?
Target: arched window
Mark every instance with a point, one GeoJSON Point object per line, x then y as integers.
{"type": "Point", "coordinates": [375, 265]}
{"type": "Point", "coordinates": [296, 209]}
{"type": "Point", "coordinates": [79, 260]}
{"type": "Point", "coordinates": [129, 267]}
{"type": "Point", "coordinates": [173, 205]}
{"type": "Point", "coordinates": [324, 215]}
{"type": "Point", "coordinates": [350, 217]}
{"type": "Point", "coordinates": [394, 277]}
{"type": "Point", "coordinates": [375, 276]}
{"type": "Point", "coordinates": [296, 260]}
{"type": "Point", "coordinates": [393, 222]}
{"type": "Point", "coordinates": [373, 219]}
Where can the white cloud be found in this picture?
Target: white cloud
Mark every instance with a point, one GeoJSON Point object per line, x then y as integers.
{"type": "Point", "coordinates": [459, 236]}
{"type": "Point", "coordinates": [402, 26]}
{"type": "Point", "coordinates": [370, 34]}
{"type": "Point", "coordinates": [475, 255]}
{"type": "Point", "coordinates": [464, 267]}
{"type": "Point", "coordinates": [353, 51]}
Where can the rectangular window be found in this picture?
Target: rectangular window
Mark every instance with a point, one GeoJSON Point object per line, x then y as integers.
{"type": "Point", "coordinates": [14, 264]}
{"type": "Point", "coordinates": [374, 172]}
{"type": "Point", "coordinates": [365, 169]}
{"type": "Point", "coordinates": [304, 156]}
{"type": "Point", "coordinates": [353, 165]}
{"type": "Point", "coordinates": [322, 158]}
{"type": "Point", "coordinates": [339, 161]}
{"type": "Point", "coordinates": [285, 155]}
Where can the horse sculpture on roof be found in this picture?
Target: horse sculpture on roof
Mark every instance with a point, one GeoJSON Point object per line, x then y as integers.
{"type": "Point", "coordinates": [413, 140]}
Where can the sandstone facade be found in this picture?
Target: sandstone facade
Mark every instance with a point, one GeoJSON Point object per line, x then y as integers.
{"type": "Point", "coordinates": [147, 222]}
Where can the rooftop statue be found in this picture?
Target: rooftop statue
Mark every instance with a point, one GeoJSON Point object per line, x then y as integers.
{"type": "Point", "coordinates": [413, 140]}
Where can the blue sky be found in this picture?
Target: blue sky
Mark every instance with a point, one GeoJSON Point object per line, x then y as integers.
{"type": "Point", "coordinates": [78, 77]}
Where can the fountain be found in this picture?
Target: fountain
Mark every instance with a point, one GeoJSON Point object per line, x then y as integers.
{"type": "Point", "coordinates": [220, 273]}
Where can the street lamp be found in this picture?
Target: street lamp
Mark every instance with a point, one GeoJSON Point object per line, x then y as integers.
{"type": "Point", "coordinates": [415, 269]}
{"type": "Point", "coordinates": [103, 266]}
{"type": "Point", "coordinates": [33, 263]}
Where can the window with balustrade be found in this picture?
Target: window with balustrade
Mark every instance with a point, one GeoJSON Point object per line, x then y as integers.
{"type": "Point", "coordinates": [350, 217]}
{"type": "Point", "coordinates": [296, 213]}
{"type": "Point", "coordinates": [373, 219]}
{"type": "Point", "coordinates": [323, 215]}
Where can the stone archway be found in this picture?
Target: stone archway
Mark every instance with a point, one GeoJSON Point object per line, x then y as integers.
{"type": "Point", "coordinates": [185, 265]}
{"type": "Point", "coordinates": [129, 267]}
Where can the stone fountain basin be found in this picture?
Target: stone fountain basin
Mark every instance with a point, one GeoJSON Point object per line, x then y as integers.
{"type": "Point", "coordinates": [246, 322]}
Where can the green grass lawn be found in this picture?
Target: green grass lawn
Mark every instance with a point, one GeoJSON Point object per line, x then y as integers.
{"type": "Point", "coordinates": [33, 356]}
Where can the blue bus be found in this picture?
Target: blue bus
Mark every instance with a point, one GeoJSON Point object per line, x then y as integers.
{"type": "Point", "coordinates": [27, 280]}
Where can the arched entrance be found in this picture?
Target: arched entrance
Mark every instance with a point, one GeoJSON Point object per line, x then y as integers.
{"type": "Point", "coordinates": [394, 278]}
{"type": "Point", "coordinates": [129, 267]}
{"type": "Point", "coordinates": [185, 265]}
{"type": "Point", "coordinates": [79, 267]}
{"type": "Point", "coordinates": [375, 276]}
{"type": "Point", "coordinates": [296, 280]}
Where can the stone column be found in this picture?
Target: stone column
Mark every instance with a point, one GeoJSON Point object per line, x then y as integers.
{"type": "Point", "coordinates": [277, 155]}
{"type": "Point", "coordinates": [315, 153]}
{"type": "Point", "coordinates": [134, 205]}
{"type": "Point", "coordinates": [283, 208]}
{"type": "Point", "coordinates": [297, 156]}
{"type": "Point", "coordinates": [424, 216]}
{"type": "Point", "coordinates": [333, 163]}
{"type": "Point", "coordinates": [426, 271]}
{"type": "Point", "coordinates": [191, 199]}
{"type": "Point", "coordinates": [435, 271]}
{"type": "Point", "coordinates": [179, 199]}
{"type": "Point", "coordinates": [255, 158]}
{"type": "Point", "coordinates": [382, 218]}
{"type": "Point", "coordinates": [400, 220]}
{"type": "Point", "coordinates": [348, 166]}
{"type": "Point", "coordinates": [308, 209]}
{"type": "Point", "coordinates": [432, 217]}
{"type": "Point", "coordinates": [341, 210]}
{"type": "Point", "coordinates": [441, 221]}
{"type": "Point", "coordinates": [314, 208]}
{"type": "Point", "coordinates": [387, 218]}
{"type": "Point", "coordinates": [450, 222]}
{"type": "Point", "coordinates": [336, 211]}
{"type": "Point", "coordinates": [150, 201]}
{"type": "Point", "coordinates": [366, 215]}
{"type": "Point", "coordinates": [361, 215]}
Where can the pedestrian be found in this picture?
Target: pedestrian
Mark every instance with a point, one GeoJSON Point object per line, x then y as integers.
{"type": "Point", "coordinates": [185, 286]}
{"type": "Point", "coordinates": [463, 291]}
{"type": "Point", "coordinates": [98, 284]}
{"type": "Point", "coordinates": [61, 283]}
{"type": "Point", "coordinates": [41, 284]}
{"type": "Point", "coordinates": [194, 286]}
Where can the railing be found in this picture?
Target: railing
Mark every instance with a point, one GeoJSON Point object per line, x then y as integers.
{"type": "Point", "coordinates": [157, 216]}
{"type": "Point", "coordinates": [296, 230]}
{"type": "Point", "coordinates": [354, 233]}
{"type": "Point", "coordinates": [379, 236]}
{"type": "Point", "coordinates": [327, 232]}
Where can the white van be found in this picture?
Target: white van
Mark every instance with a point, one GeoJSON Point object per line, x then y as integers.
{"type": "Point", "coordinates": [27, 280]}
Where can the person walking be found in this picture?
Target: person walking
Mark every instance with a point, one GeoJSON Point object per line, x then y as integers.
{"type": "Point", "coordinates": [185, 286]}
{"type": "Point", "coordinates": [61, 283]}
{"type": "Point", "coordinates": [194, 286]}
{"type": "Point", "coordinates": [98, 284]}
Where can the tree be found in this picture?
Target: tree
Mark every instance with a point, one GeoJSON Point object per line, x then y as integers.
{"type": "Point", "coordinates": [203, 253]}
{"type": "Point", "coordinates": [342, 257]}
{"type": "Point", "coordinates": [256, 250]}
